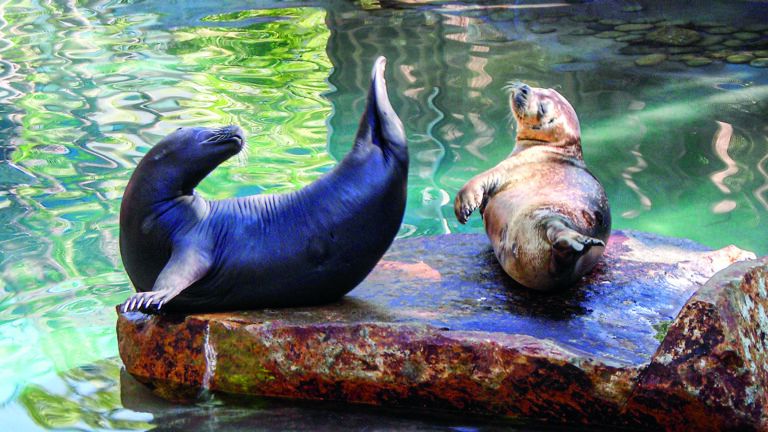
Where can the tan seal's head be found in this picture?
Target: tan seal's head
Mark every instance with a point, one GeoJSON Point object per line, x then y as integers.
{"type": "Point", "coordinates": [544, 117]}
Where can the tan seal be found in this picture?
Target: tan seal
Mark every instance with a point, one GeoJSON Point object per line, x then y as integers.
{"type": "Point", "coordinates": [546, 215]}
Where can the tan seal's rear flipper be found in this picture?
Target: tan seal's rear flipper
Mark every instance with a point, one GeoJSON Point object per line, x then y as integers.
{"type": "Point", "coordinates": [570, 249]}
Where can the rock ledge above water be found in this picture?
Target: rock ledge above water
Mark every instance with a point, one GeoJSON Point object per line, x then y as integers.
{"type": "Point", "coordinates": [438, 325]}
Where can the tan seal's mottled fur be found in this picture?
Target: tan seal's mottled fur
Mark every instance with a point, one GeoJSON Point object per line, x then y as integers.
{"type": "Point", "coordinates": [546, 215]}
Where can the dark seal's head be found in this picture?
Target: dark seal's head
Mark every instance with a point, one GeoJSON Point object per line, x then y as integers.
{"type": "Point", "coordinates": [181, 160]}
{"type": "Point", "coordinates": [544, 117]}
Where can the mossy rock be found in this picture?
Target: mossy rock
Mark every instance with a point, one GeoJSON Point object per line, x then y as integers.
{"type": "Point", "coordinates": [548, 20]}
{"type": "Point", "coordinates": [733, 43]}
{"type": "Point", "coordinates": [583, 18]}
{"type": "Point", "coordinates": [680, 57]}
{"type": "Point", "coordinates": [633, 8]}
{"type": "Point", "coordinates": [582, 32]}
{"type": "Point", "coordinates": [646, 20]}
{"type": "Point", "coordinates": [759, 62]}
{"type": "Point", "coordinates": [761, 53]}
{"type": "Point", "coordinates": [565, 59]}
{"type": "Point", "coordinates": [686, 57]}
{"type": "Point", "coordinates": [746, 36]}
{"type": "Point", "coordinates": [698, 61]}
{"type": "Point", "coordinates": [542, 29]}
{"type": "Point", "coordinates": [611, 34]}
{"type": "Point", "coordinates": [651, 60]}
{"type": "Point", "coordinates": [722, 30]}
{"type": "Point", "coordinates": [634, 27]}
{"type": "Point", "coordinates": [674, 36]}
{"type": "Point", "coordinates": [760, 27]}
{"type": "Point", "coordinates": [630, 38]}
{"type": "Point", "coordinates": [675, 23]}
{"type": "Point", "coordinates": [739, 58]}
{"type": "Point", "coordinates": [720, 55]}
{"type": "Point", "coordinates": [600, 27]}
{"type": "Point", "coordinates": [709, 24]}
{"type": "Point", "coordinates": [612, 22]}
{"type": "Point", "coordinates": [637, 50]}
{"type": "Point", "coordinates": [710, 40]}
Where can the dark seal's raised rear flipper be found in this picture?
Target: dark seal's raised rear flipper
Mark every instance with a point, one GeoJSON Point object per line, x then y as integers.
{"type": "Point", "coordinates": [380, 125]}
{"type": "Point", "coordinates": [186, 266]}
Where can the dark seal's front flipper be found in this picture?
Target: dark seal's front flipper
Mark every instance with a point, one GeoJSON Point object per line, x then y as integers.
{"type": "Point", "coordinates": [380, 124]}
{"type": "Point", "coordinates": [569, 248]}
{"type": "Point", "coordinates": [186, 266]}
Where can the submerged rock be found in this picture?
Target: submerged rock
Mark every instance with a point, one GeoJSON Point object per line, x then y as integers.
{"type": "Point", "coordinates": [675, 36]}
{"type": "Point", "coordinates": [698, 61]}
{"type": "Point", "coordinates": [739, 58]}
{"type": "Point", "coordinates": [633, 27]}
{"type": "Point", "coordinates": [720, 55]}
{"type": "Point", "coordinates": [759, 62]}
{"type": "Point", "coordinates": [746, 36]}
{"type": "Point", "coordinates": [543, 29]}
{"type": "Point", "coordinates": [633, 8]}
{"type": "Point", "coordinates": [611, 34]}
{"type": "Point", "coordinates": [582, 32]}
{"type": "Point", "coordinates": [630, 38]}
{"type": "Point", "coordinates": [756, 27]}
{"type": "Point", "coordinates": [734, 43]}
{"type": "Point", "coordinates": [721, 30]}
{"type": "Point", "coordinates": [711, 40]}
{"type": "Point", "coordinates": [439, 325]}
{"type": "Point", "coordinates": [612, 22]}
{"type": "Point", "coordinates": [651, 60]}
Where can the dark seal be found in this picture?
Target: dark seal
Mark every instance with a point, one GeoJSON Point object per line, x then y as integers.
{"type": "Point", "coordinates": [184, 253]}
{"type": "Point", "coordinates": [546, 215]}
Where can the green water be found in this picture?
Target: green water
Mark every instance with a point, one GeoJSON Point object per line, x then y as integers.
{"type": "Point", "coordinates": [87, 87]}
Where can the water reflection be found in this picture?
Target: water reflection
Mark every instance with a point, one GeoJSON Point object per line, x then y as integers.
{"type": "Point", "coordinates": [87, 87]}
{"type": "Point", "coordinates": [101, 397]}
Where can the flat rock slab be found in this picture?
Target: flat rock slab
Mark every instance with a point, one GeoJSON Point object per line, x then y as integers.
{"type": "Point", "coordinates": [439, 325]}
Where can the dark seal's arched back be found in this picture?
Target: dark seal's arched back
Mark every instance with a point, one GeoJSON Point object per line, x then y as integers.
{"type": "Point", "coordinates": [185, 253]}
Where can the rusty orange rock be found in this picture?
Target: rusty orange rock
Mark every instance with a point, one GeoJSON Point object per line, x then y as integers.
{"type": "Point", "coordinates": [438, 325]}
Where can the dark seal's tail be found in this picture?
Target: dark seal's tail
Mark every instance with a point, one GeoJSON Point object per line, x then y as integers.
{"type": "Point", "coordinates": [380, 124]}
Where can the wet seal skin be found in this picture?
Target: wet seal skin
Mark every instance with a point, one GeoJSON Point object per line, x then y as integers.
{"type": "Point", "coordinates": [184, 253]}
{"type": "Point", "coordinates": [546, 215]}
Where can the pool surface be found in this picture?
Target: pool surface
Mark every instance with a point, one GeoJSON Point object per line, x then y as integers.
{"type": "Point", "coordinates": [87, 87]}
